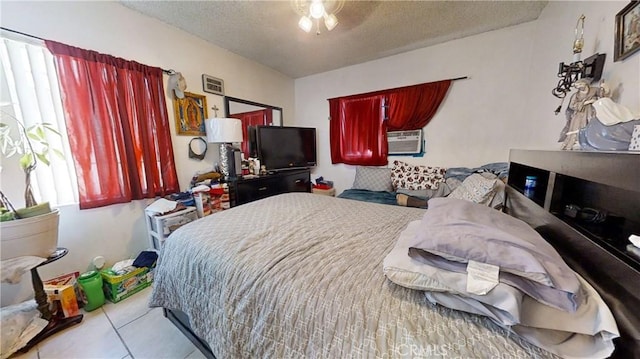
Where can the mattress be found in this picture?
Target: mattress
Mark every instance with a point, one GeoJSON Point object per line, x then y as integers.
{"type": "Point", "coordinates": [300, 275]}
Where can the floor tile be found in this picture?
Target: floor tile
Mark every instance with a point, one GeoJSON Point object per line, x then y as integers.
{"type": "Point", "coordinates": [154, 336]}
{"type": "Point", "coordinates": [196, 354]}
{"type": "Point", "coordinates": [129, 309]}
{"type": "Point", "coordinates": [94, 337]}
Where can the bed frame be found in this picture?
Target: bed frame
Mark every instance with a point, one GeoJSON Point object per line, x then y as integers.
{"type": "Point", "coordinates": [604, 181]}
{"type": "Point", "coordinates": [608, 182]}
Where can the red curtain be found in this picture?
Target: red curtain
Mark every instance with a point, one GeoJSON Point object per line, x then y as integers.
{"type": "Point", "coordinates": [358, 131]}
{"type": "Point", "coordinates": [354, 131]}
{"type": "Point", "coordinates": [117, 124]}
{"type": "Point", "coordinates": [253, 118]}
{"type": "Point", "coordinates": [412, 107]}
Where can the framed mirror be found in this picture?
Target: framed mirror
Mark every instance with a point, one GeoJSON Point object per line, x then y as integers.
{"type": "Point", "coordinates": [251, 114]}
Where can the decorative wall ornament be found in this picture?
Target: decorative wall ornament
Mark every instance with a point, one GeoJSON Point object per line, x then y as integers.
{"type": "Point", "coordinates": [579, 112]}
{"type": "Point", "coordinates": [190, 113]}
{"type": "Point", "coordinates": [627, 37]}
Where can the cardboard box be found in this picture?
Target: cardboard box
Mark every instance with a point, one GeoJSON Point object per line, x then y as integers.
{"type": "Point", "coordinates": [66, 296]}
{"type": "Point", "coordinates": [70, 279]}
{"type": "Point", "coordinates": [325, 192]}
{"type": "Point", "coordinates": [119, 287]}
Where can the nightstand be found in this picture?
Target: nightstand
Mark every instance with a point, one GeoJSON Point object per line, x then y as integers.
{"type": "Point", "coordinates": [325, 192]}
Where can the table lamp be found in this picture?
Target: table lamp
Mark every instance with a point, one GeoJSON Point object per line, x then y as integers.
{"type": "Point", "coordinates": [226, 131]}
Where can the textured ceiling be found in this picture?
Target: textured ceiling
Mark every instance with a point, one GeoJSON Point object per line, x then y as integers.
{"type": "Point", "coordinates": [267, 31]}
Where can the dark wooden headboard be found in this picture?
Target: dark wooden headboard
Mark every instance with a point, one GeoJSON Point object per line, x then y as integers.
{"type": "Point", "coordinates": [586, 204]}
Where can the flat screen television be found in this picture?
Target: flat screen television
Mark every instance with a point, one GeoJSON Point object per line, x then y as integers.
{"type": "Point", "coordinates": [282, 148]}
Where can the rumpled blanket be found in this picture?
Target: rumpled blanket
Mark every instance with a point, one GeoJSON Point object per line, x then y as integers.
{"type": "Point", "coordinates": [500, 169]}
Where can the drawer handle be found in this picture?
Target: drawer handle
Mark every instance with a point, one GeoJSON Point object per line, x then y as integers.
{"type": "Point", "coordinates": [262, 189]}
{"type": "Point", "coordinates": [298, 181]}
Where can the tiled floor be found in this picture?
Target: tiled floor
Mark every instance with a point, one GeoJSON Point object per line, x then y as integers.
{"type": "Point", "coordinates": [125, 330]}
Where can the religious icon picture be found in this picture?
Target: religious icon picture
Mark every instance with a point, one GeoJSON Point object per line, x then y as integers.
{"type": "Point", "coordinates": [190, 113]}
{"type": "Point", "coordinates": [627, 38]}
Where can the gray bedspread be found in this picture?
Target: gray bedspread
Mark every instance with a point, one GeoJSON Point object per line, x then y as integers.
{"type": "Point", "coordinates": [300, 276]}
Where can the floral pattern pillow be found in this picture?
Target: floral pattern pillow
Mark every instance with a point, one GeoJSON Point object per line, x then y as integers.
{"type": "Point", "coordinates": [414, 177]}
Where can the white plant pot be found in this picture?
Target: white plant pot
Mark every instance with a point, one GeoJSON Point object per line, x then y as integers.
{"type": "Point", "coordinates": [34, 236]}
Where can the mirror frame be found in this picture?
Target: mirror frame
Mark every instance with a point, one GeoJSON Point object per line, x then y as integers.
{"type": "Point", "coordinates": [228, 99]}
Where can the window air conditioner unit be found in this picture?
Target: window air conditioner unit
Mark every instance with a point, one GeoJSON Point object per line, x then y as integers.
{"type": "Point", "coordinates": [404, 142]}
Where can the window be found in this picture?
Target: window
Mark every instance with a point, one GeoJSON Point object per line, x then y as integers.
{"type": "Point", "coordinates": [30, 94]}
{"type": "Point", "coordinates": [359, 123]}
{"type": "Point", "coordinates": [117, 124]}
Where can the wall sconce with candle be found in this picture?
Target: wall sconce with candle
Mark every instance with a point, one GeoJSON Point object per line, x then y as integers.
{"type": "Point", "coordinates": [590, 68]}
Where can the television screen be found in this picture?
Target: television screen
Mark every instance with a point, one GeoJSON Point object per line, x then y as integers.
{"type": "Point", "coordinates": [286, 147]}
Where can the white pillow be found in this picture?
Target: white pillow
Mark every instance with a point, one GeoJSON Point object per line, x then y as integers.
{"type": "Point", "coordinates": [373, 179]}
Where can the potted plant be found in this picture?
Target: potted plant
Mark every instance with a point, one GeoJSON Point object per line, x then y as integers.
{"type": "Point", "coordinates": [32, 230]}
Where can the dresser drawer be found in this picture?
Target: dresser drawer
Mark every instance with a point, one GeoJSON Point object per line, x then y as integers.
{"type": "Point", "coordinates": [246, 190]}
{"type": "Point", "coordinates": [257, 189]}
{"type": "Point", "coordinates": [297, 182]}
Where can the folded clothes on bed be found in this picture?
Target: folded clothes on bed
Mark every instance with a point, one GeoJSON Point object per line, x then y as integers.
{"type": "Point", "coordinates": [586, 331]}
{"type": "Point", "coordinates": [462, 231]}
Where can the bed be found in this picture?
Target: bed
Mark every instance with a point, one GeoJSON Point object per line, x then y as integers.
{"type": "Point", "coordinates": [258, 291]}
{"type": "Point", "coordinates": [275, 279]}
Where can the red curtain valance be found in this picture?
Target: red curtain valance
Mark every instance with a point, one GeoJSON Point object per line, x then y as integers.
{"type": "Point", "coordinates": [358, 127]}
{"type": "Point", "coordinates": [412, 107]}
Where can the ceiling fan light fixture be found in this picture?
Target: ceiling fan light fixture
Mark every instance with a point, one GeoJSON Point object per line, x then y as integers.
{"type": "Point", "coordinates": [305, 23]}
{"type": "Point", "coordinates": [330, 21]}
{"type": "Point", "coordinates": [316, 9]}
{"type": "Point", "coordinates": [313, 11]}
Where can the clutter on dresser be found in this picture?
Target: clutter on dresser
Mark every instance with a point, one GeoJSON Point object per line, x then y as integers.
{"type": "Point", "coordinates": [211, 199]}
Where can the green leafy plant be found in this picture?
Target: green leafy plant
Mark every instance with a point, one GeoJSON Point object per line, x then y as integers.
{"type": "Point", "coordinates": [31, 145]}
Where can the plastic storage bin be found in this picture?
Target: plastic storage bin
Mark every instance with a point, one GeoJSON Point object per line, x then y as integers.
{"type": "Point", "coordinates": [119, 287]}
{"type": "Point", "coordinates": [160, 227]}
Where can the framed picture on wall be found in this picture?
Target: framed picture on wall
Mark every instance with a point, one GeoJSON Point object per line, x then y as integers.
{"type": "Point", "coordinates": [190, 113]}
{"type": "Point", "coordinates": [212, 85]}
{"type": "Point", "coordinates": [627, 37]}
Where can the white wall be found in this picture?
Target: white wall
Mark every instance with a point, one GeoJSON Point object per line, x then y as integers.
{"type": "Point", "coordinates": [506, 103]}
{"type": "Point", "coordinates": [118, 232]}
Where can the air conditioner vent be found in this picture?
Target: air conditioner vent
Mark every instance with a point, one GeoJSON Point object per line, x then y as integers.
{"type": "Point", "coordinates": [404, 142]}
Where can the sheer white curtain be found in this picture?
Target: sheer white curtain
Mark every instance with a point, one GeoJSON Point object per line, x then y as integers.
{"type": "Point", "coordinates": [30, 93]}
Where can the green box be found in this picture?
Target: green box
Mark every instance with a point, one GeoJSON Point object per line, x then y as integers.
{"type": "Point", "coordinates": [119, 287]}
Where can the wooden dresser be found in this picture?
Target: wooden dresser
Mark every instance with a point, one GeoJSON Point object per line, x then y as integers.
{"type": "Point", "coordinates": [245, 190]}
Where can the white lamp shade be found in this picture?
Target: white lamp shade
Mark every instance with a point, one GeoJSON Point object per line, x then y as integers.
{"type": "Point", "coordinates": [305, 23]}
{"type": "Point", "coordinates": [330, 21]}
{"type": "Point", "coordinates": [223, 130]}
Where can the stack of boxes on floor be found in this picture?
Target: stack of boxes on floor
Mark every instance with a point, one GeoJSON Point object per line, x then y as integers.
{"type": "Point", "coordinates": [70, 292]}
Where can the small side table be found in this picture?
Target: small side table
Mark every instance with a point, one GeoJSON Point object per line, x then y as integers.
{"type": "Point", "coordinates": [325, 192]}
{"type": "Point", "coordinates": [55, 324]}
